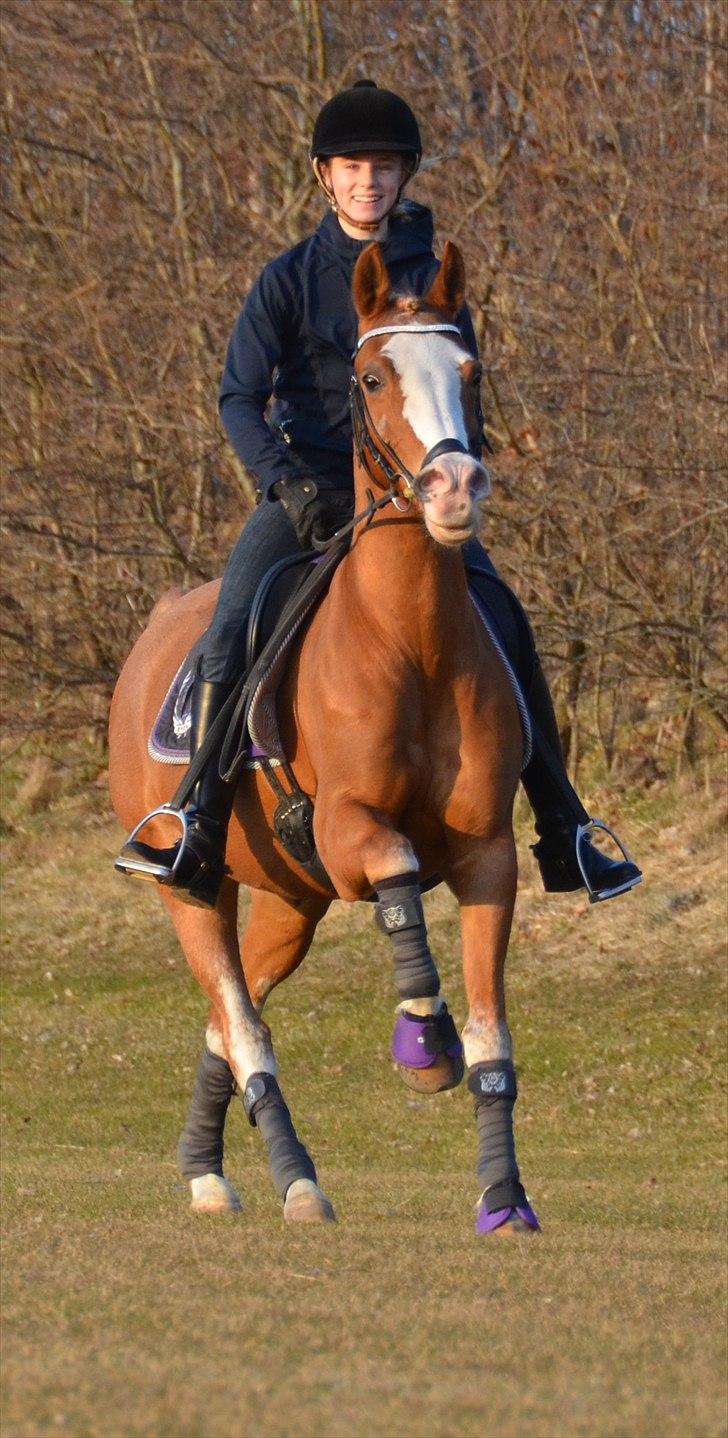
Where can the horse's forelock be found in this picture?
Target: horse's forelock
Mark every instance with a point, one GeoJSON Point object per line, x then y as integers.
{"type": "Point", "coordinates": [409, 307]}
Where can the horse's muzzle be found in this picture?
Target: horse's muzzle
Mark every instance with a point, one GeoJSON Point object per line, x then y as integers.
{"type": "Point", "coordinates": [450, 490]}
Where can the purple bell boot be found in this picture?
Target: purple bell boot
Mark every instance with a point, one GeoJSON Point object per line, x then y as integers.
{"type": "Point", "coordinates": [486, 1222]}
{"type": "Point", "coordinates": [428, 1043]}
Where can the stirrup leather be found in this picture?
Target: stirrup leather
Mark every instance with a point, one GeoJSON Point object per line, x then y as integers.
{"type": "Point", "coordinates": [147, 868]}
{"type": "Point", "coordinates": [583, 836]}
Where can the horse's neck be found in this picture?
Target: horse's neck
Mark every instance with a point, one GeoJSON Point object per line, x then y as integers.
{"type": "Point", "coordinates": [409, 589]}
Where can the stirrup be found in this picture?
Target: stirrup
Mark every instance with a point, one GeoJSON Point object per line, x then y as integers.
{"type": "Point", "coordinates": [146, 868]}
{"type": "Point", "coordinates": [583, 836]}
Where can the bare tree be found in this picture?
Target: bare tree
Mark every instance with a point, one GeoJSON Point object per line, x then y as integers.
{"type": "Point", "coordinates": [154, 158]}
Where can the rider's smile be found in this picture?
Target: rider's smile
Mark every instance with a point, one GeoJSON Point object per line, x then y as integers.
{"type": "Point", "coordinates": [365, 186]}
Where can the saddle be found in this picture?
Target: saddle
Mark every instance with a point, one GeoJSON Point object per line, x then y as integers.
{"type": "Point", "coordinates": [286, 596]}
{"type": "Point", "coordinates": [285, 601]}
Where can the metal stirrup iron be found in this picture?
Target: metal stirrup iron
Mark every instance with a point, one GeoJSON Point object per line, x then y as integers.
{"type": "Point", "coordinates": [583, 836]}
{"type": "Point", "coordinates": [146, 867]}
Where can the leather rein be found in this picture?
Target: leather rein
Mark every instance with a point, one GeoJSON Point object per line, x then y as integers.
{"type": "Point", "coordinates": [372, 450]}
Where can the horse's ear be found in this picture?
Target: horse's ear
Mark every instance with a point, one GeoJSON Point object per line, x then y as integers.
{"type": "Point", "coordinates": [447, 291]}
{"type": "Point", "coordinates": [370, 284]}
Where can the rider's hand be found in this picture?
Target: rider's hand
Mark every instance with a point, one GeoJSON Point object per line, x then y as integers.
{"type": "Point", "coordinates": [315, 514]}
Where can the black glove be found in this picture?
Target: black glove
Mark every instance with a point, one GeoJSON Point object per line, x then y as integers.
{"type": "Point", "coordinates": [315, 515]}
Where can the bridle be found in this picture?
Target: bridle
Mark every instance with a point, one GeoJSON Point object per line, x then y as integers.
{"type": "Point", "coordinates": [375, 454]}
{"type": "Point", "coordinates": [369, 444]}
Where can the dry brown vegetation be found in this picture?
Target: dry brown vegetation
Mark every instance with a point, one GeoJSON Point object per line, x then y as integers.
{"type": "Point", "coordinates": [153, 157]}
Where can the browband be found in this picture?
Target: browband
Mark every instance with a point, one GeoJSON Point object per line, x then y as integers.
{"type": "Point", "coordinates": [406, 330]}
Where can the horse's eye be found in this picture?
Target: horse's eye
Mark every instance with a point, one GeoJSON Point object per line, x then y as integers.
{"type": "Point", "coordinates": [476, 377]}
{"type": "Point", "coordinates": [371, 382]}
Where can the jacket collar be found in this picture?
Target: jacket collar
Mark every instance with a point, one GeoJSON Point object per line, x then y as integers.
{"type": "Point", "coordinates": [410, 234]}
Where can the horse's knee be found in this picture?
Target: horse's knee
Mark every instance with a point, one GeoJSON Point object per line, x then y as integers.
{"type": "Point", "coordinates": [359, 848]}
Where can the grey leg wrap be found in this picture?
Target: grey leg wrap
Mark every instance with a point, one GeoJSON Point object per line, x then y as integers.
{"type": "Point", "coordinates": [200, 1148]}
{"type": "Point", "coordinates": [399, 913]}
{"type": "Point", "coordinates": [493, 1085]}
{"type": "Point", "coordinates": [267, 1110]}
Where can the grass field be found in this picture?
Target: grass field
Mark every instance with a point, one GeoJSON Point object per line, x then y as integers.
{"type": "Point", "coordinates": [126, 1315]}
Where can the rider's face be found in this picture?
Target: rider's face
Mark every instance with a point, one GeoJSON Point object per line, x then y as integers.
{"type": "Point", "coordinates": [365, 186]}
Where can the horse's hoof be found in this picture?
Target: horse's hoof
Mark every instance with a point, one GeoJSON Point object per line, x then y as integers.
{"type": "Point", "coordinates": [427, 1052]}
{"type": "Point", "coordinates": [507, 1221]}
{"type": "Point", "coordinates": [211, 1193]}
{"type": "Point", "coordinates": [305, 1203]}
{"type": "Point", "coordinates": [445, 1072]}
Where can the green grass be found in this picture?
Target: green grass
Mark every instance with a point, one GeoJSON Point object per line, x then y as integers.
{"type": "Point", "coordinates": [126, 1315]}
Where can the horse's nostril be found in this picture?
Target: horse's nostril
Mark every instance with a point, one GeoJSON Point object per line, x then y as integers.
{"type": "Point", "coordinates": [436, 481]}
{"type": "Point", "coordinates": [476, 480]}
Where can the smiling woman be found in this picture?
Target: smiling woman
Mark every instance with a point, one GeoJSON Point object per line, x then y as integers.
{"type": "Point", "coordinates": [365, 189]}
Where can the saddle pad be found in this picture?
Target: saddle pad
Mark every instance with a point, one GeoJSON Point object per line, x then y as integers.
{"type": "Point", "coordinates": [169, 741]}
{"type": "Point", "coordinates": [283, 600]}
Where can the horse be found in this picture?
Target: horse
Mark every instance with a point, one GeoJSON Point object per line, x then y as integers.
{"type": "Point", "coordinates": [411, 750]}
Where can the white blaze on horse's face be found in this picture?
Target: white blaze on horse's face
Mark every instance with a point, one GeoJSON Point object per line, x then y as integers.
{"type": "Point", "coordinates": [429, 368]}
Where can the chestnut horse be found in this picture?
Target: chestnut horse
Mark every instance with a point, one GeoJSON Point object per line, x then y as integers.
{"type": "Point", "coordinates": [400, 721]}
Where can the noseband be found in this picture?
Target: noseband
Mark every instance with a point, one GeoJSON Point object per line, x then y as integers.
{"type": "Point", "coordinates": [369, 444]}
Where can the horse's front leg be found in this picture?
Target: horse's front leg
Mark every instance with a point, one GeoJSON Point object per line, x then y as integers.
{"type": "Point", "coordinates": [483, 880]}
{"type": "Point", "coordinates": [210, 943]}
{"type": "Point", "coordinates": [363, 850]}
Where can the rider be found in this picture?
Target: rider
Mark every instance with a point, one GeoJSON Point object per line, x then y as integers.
{"type": "Point", "coordinates": [293, 341]}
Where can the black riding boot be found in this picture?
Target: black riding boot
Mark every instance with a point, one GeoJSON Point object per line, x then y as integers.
{"type": "Point", "coordinates": [566, 857]}
{"type": "Point", "coordinates": [195, 865]}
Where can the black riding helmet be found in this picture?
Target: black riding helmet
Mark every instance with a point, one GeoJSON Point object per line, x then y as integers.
{"type": "Point", "coordinates": [366, 118]}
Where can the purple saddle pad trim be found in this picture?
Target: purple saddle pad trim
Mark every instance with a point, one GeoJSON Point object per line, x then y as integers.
{"type": "Point", "coordinates": [488, 1222]}
{"type": "Point", "coordinates": [408, 1043]}
{"type": "Point", "coordinates": [169, 741]}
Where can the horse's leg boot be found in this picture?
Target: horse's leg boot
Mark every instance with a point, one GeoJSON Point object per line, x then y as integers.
{"type": "Point", "coordinates": [565, 854]}
{"type": "Point", "coordinates": [194, 867]}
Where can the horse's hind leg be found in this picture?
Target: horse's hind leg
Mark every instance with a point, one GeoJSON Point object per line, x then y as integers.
{"type": "Point", "coordinates": [277, 938]}
{"type": "Point", "coordinates": [210, 943]}
{"type": "Point", "coordinates": [201, 1144]}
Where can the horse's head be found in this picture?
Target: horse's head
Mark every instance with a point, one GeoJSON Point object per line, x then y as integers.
{"type": "Point", "coordinates": [417, 394]}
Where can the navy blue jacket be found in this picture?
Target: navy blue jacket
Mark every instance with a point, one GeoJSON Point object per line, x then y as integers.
{"type": "Point", "coordinates": [294, 340]}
